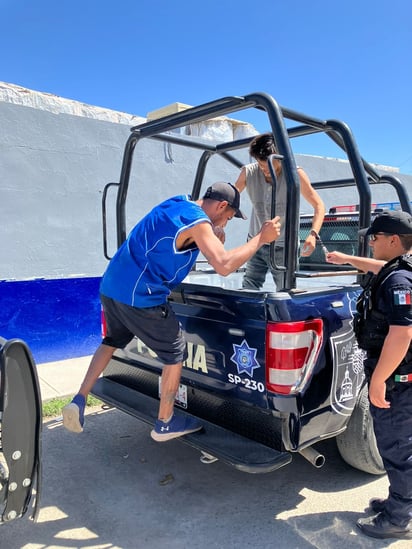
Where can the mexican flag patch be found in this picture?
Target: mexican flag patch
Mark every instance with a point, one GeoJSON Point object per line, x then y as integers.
{"type": "Point", "coordinates": [402, 297]}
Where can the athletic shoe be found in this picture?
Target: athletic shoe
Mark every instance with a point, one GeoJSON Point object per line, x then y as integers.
{"type": "Point", "coordinates": [380, 527]}
{"type": "Point", "coordinates": [176, 427]}
{"type": "Point", "coordinates": [73, 414]}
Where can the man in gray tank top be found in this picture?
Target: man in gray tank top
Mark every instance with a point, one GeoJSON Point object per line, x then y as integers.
{"type": "Point", "coordinates": [257, 180]}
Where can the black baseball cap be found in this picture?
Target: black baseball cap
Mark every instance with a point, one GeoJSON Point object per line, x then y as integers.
{"type": "Point", "coordinates": [396, 222]}
{"type": "Point", "coordinates": [225, 191]}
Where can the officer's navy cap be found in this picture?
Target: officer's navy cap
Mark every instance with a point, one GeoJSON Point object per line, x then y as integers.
{"type": "Point", "coordinates": [396, 222]}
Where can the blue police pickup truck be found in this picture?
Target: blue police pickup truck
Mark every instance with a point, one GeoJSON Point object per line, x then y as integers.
{"type": "Point", "coordinates": [269, 373]}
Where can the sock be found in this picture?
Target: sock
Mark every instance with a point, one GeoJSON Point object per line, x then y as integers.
{"type": "Point", "coordinates": [166, 420]}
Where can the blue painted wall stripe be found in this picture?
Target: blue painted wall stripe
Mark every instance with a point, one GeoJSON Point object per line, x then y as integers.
{"type": "Point", "coordinates": [58, 318]}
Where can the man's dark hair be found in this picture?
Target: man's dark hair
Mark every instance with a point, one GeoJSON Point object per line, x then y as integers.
{"type": "Point", "coordinates": [262, 146]}
{"type": "Point", "coordinates": [406, 241]}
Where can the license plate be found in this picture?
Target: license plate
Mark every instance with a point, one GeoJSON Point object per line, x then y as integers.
{"type": "Point", "coordinates": [181, 396]}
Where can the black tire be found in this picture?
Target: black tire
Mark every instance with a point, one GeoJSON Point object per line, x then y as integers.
{"type": "Point", "coordinates": [357, 445]}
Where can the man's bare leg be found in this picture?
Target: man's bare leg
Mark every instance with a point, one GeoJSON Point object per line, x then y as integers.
{"type": "Point", "coordinates": [100, 360]}
{"type": "Point", "coordinates": [170, 383]}
{"type": "Point", "coordinates": [170, 426]}
{"type": "Point", "coordinates": [73, 413]}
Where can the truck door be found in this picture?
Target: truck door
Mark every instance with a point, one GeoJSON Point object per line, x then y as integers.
{"type": "Point", "coordinates": [20, 422]}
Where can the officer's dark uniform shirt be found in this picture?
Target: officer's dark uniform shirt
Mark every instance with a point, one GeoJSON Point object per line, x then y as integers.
{"type": "Point", "coordinates": [386, 301]}
{"type": "Point", "coordinates": [394, 298]}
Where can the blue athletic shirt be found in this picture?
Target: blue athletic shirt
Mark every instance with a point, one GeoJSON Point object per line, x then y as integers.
{"type": "Point", "coordinates": [147, 266]}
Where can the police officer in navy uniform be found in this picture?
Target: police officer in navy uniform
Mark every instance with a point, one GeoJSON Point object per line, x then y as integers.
{"type": "Point", "coordinates": [383, 326]}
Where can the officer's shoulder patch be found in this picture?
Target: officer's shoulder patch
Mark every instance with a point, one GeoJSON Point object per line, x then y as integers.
{"type": "Point", "coordinates": [402, 297]}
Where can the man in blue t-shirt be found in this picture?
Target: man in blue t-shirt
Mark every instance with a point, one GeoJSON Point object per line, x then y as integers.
{"type": "Point", "coordinates": [156, 256]}
{"type": "Point", "coordinates": [384, 330]}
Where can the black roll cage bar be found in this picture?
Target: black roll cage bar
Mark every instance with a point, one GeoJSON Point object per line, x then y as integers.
{"type": "Point", "coordinates": [363, 173]}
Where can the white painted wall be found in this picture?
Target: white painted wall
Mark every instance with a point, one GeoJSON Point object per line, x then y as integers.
{"type": "Point", "coordinates": [53, 168]}
{"type": "Point", "coordinates": [56, 156]}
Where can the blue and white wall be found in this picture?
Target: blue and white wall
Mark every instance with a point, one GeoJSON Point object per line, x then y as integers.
{"type": "Point", "coordinates": [56, 156]}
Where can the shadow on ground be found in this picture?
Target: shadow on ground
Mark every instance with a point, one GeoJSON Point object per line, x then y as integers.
{"type": "Point", "coordinates": [114, 487]}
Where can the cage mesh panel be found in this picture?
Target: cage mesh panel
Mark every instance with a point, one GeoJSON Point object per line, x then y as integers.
{"type": "Point", "coordinates": [338, 233]}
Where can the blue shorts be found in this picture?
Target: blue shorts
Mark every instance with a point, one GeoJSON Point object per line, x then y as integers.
{"type": "Point", "coordinates": [157, 327]}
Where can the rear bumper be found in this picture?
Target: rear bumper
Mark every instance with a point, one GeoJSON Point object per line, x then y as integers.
{"type": "Point", "coordinates": [245, 437]}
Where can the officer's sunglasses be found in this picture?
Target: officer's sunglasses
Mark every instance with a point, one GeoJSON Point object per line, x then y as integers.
{"type": "Point", "coordinates": [374, 237]}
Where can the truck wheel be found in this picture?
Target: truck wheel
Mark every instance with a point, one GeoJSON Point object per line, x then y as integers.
{"type": "Point", "coordinates": [357, 445]}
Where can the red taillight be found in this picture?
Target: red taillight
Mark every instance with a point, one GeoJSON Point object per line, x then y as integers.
{"type": "Point", "coordinates": [291, 352]}
{"type": "Point", "coordinates": [103, 326]}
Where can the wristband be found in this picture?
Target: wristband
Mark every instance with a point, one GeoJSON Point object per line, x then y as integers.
{"type": "Point", "coordinates": [314, 233]}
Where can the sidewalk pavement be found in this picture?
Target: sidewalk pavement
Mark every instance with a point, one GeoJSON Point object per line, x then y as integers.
{"type": "Point", "coordinates": [62, 378]}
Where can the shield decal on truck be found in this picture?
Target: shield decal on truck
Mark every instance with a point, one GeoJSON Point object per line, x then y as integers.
{"type": "Point", "coordinates": [245, 358]}
{"type": "Point", "coordinates": [348, 373]}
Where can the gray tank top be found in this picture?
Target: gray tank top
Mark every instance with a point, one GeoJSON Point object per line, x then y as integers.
{"type": "Point", "coordinates": [260, 193]}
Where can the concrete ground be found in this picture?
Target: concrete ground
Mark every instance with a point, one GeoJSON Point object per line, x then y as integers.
{"type": "Point", "coordinates": [63, 378]}
{"type": "Point", "coordinates": [113, 487]}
